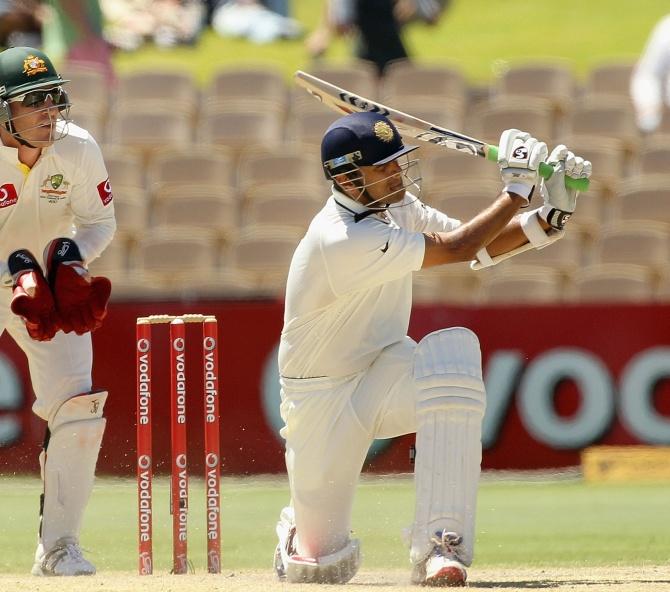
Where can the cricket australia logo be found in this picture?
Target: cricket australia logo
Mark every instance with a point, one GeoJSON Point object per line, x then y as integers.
{"type": "Point", "coordinates": [33, 65]}
{"type": "Point", "coordinates": [54, 188]}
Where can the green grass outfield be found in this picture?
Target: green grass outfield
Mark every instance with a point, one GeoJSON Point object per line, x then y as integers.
{"type": "Point", "coordinates": [480, 36]}
{"type": "Point", "coordinates": [520, 523]}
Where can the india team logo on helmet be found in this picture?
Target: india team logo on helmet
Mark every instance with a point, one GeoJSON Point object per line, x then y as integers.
{"type": "Point", "coordinates": [383, 131]}
{"type": "Point", "coordinates": [33, 65]}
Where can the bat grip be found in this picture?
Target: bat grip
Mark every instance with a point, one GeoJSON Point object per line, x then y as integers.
{"type": "Point", "coordinates": [546, 171]}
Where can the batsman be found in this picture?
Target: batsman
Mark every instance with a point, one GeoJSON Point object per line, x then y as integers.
{"type": "Point", "coordinates": [349, 372]}
{"type": "Point", "coordinates": [56, 216]}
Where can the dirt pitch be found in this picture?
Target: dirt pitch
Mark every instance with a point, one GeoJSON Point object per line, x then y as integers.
{"type": "Point", "coordinates": [586, 579]}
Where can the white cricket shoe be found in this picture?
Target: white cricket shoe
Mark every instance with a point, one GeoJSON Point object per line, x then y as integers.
{"type": "Point", "coordinates": [63, 559]}
{"type": "Point", "coordinates": [442, 567]}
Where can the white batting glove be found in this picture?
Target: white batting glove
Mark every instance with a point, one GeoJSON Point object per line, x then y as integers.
{"type": "Point", "coordinates": [559, 200]}
{"type": "Point", "coordinates": [519, 156]}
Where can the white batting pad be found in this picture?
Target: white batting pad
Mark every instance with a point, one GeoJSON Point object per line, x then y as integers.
{"type": "Point", "coordinates": [450, 409]}
{"type": "Point", "coordinates": [336, 568]}
{"type": "Point", "coordinates": [68, 465]}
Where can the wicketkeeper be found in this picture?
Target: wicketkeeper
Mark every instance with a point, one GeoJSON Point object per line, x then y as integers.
{"type": "Point", "coordinates": [56, 216]}
{"type": "Point", "coordinates": [349, 372]}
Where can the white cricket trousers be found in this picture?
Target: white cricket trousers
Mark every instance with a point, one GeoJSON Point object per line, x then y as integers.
{"type": "Point", "coordinates": [59, 369]}
{"type": "Point", "coordinates": [330, 424]}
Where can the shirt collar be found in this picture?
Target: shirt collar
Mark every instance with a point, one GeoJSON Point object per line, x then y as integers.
{"type": "Point", "coordinates": [358, 209]}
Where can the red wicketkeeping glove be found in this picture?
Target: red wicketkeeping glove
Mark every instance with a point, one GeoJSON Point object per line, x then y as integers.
{"type": "Point", "coordinates": [81, 299]}
{"type": "Point", "coordinates": [32, 299]}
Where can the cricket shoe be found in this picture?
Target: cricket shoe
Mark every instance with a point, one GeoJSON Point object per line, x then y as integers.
{"type": "Point", "coordinates": [63, 559]}
{"type": "Point", "coordinates": [442, 567]}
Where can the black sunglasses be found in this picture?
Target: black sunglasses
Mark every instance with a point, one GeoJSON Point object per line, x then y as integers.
{"type": "Point", "coordinates": [35, 98]}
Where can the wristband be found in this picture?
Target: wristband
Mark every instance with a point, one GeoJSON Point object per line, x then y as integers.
{"type": "Point", "coordinates": [555, 218]}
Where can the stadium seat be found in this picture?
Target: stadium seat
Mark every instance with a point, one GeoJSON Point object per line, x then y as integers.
{"type": "Point", "coordinates": [241, 129]}
{"type": "Point", "coordinates": [170, 252]}
{"type": "Point", "coordinates": [308, 128]}
{"type": "Point", "coordinates": [643, 198]}
{"type": "Point", "coordinates": [450, 166]}
{"type": "Point", "coordinates": [286, 204]}
{"type": "Point", "coordinates": [264, 251]}
{"type": "Point", "coordinates": [663, 288]}
{"type": "Point", "coordinates": [191, 165]}
{"type": "Point", "coordinates": [532, 114]}
{"type": "Point", "coordinates": [641, 242]}
{"type": "Point", "coordinates": [463, 199]}
{"type": "Point", "coordinates": [553, 82]}
{"type": "Point", "coordinates": [447, 284]}
{"type": "Point", "coordinates": [149, 131]}
{"type": "Point", "coordinates": [522, 284]}
{"type": "Point", "coordinates": [653, 157]}
{"type": "Point", "coordinates": [406, 85]}
{"type": "Point", "coordinates": [604, 117]}
{"type": "Point", "coordinates": [125, 167]}
{"type": "Point", "coordinates": [284, 164]}
{"type": "Point", "coordinates": [260, 85]}
{"type": "Point", "coordinates": [214, 208]}
{"type": "Point", "coordinates": [610, 79]}
{"type": "Point", "coordinates": [143, 89]}
{"type": "Point", "coordinates": [131, 206]}
{"type": "Point", "coordinates": [612, 283]}
{"type": "Point", "coordinates": [89, 93]}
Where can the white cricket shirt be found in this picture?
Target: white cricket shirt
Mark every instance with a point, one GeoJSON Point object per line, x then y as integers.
{"type": "Point", "coordinates": [66, 194]}
{"type": "Point", "coordinates": [650, 84]}
{"type": "Point", "coordinates": [349, 289]}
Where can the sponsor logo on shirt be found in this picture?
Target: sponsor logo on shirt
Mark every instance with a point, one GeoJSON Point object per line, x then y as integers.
{"type": "Point", "coordinates": [8, 195]}
{"type": "Point", "coordinates": [105, 192]}
{"type": "Point", "coordinates": [54, 188]}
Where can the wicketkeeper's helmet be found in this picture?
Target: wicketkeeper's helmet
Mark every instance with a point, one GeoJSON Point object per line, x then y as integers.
{"type": "Point", "coordinates": [24, 70]}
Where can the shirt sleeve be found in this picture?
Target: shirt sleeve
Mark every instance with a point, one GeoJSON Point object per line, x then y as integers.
{"type": "Point", "coordinates": [370, 254]}
{"type": "Point", "coordinates": [419, 217]}
{"type": "Point", "coordinates": [92, 204]}
{"type": "Point", "coordinates": [649, 77]}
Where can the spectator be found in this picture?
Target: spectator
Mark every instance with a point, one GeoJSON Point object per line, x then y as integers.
{"type": "Point", "coordinates": [72, 32]}
{"type": "Point", "coordinates": [650, 84]}
{"type": "Point", "coordinates": [167, 22]}
{"type": "Point", "coordinates": [19, 23]}
{"type": "Point", "coordinates": [260, 22]}
{"type": "Point", "coordinates": [377, 24]}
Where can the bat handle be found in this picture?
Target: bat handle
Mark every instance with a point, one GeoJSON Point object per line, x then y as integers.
{"type": "Point", "coordinates": [546, 171]}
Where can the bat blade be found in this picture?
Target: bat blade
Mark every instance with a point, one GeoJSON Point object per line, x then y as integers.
{"type": "Point", "coordinates": [346, 102]}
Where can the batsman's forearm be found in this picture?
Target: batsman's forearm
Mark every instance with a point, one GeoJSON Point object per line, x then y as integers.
{"type": "Point", "coordinates": [463, 243]}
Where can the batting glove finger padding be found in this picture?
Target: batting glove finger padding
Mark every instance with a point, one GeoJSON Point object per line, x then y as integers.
{"type": "Point", "coordinates": [559, 201]}
{"type": "Point", "coordinates": [32, 299]}
{"type": "Point", "coordinates": [519, 158]}
{"type": "Point", "coordinates": [81, 299]}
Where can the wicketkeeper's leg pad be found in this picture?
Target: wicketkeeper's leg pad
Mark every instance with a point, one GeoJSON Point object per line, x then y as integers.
{"type": "Point", "coordinates": [68, 463]}
{"type": "Point", "coordinates": [450, 406]}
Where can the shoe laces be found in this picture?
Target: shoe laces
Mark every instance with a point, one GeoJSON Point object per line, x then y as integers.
{"type": "Point", "coordinates": [63, 548]}
{"type": "Point", "coordinates": [446, 543]}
